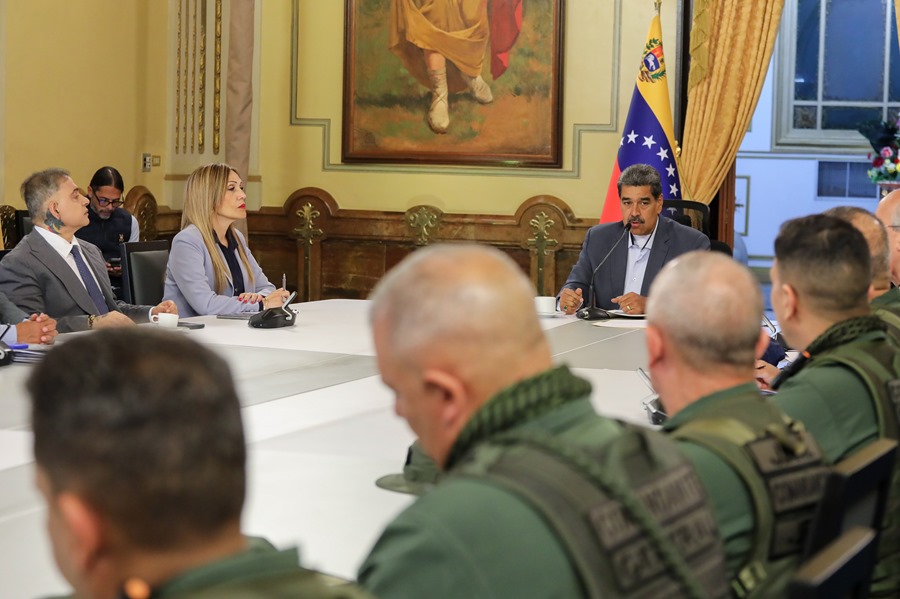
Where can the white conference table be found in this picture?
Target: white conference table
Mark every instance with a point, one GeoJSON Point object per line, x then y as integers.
{"type": "Point", "coordinates": [320, 429]}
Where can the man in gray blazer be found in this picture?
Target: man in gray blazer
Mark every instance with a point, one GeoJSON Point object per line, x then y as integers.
{"type": "Point", "coordinates": [51, 271]}
{"type": "Point", "coordinates": [635, 257]}
{"type": "Point", "coordinates": [17, 327]}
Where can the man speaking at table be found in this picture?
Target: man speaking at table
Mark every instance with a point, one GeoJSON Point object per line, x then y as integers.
{"type": "Point", "coordinates": [51, 271]}
{"type": "Point", "coordinates": [623, 269]}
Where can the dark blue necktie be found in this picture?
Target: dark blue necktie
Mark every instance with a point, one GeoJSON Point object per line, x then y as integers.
{"type": "Point", "coordinates": [89, 283]}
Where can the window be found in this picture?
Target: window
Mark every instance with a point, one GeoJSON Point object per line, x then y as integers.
{"type": "Point", "coordinates": [838, 65]}
{"type": "Point", "coordinates": [845, 180]}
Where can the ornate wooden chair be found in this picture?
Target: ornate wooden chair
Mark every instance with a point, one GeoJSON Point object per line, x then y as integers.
{"type": "Point", "coordinates": [141, 202]}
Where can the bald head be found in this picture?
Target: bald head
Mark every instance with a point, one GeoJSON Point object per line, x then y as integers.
{"type": "Point", "coordinates": [876, 237]}
{"type": "Point", "coordinates": [467, 306]}
{"type": "Point", "coordinates": [453, 325]}
{"type": "Point", "coordinates": [709, 307]}
{"type": "Point", "coordinates": [888, 212]}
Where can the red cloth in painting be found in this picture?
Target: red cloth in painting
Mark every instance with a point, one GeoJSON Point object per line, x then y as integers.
{"type": "Point", "coordinates": [506, 23]}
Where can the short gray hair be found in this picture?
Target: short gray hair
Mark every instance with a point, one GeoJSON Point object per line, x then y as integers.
{"type": "Point", "coordinates": [38, 188]}
{"type": "Point", "coordinates": [464, 294]}
{"type": "Point", "coordinates": [641, 175]}
{"type": "Point", "coordinates": [710, 307]}
{"type": "Point", "coordinates": [876, 236]}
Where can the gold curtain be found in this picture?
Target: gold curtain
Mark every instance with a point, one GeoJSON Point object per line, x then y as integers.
{"type": "Point", "coordinates": [731, 44]}
{"type": "Point", "coordinates": [897, 16]}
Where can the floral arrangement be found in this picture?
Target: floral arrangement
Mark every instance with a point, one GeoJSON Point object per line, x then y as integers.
{"type": "Point", "coordinates": [884, 136]}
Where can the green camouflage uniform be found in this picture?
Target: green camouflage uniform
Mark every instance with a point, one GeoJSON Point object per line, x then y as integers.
{"type": "Point", "coordinates": [721, 434]}
{"type": "Point", "coordinates": [841, 394]}
{"type": "Point", "coordinates": [887, 307]}
{"type": "Point", "coordinates": [260, 572]}
{"type": "Point", "coordinates": [476, 535]}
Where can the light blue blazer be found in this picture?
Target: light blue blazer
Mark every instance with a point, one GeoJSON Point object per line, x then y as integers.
{"type": "Point", "coordinates": [190, 281]}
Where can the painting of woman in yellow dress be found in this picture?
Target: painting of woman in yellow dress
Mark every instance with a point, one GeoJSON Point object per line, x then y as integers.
{"type": "Point", "coordinates": [434, 92]}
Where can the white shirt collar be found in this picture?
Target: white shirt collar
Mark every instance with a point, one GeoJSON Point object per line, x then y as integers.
{"type": "Point", "coordinates": [639, 240]}
{"type": "Point", "coordinates": [62, 247]}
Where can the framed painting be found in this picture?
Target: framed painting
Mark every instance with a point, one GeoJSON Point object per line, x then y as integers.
{"type": "Point", "coordinates": [453, 82]}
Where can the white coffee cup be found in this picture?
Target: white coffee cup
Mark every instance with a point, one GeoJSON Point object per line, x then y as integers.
{"type": "Point", "coordinates": [545, 304]}
{"type": "Point", "coordinates": [165, 320]}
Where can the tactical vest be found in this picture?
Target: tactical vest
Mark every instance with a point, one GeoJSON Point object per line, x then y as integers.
{"type": "Point", "coordinates": [107, 234]}
{"type": "Point", "coordinates": [892, 317]}
{"type": "Point", "coordinates": [782, 467]}
{"type": "Point", "coordinates": [632, 514]}
{"type": "Point", "coordinates": [877, 364]}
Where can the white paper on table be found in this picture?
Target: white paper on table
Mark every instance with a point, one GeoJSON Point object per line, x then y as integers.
{"type": "Point", "coordinates": [15, 449]}
{"type": "Point", "coordinates": [618, 394]}
{"type": "Point", "coordinates": [558, 319]}
{"type": "Point", "coordinates": [622, 323]}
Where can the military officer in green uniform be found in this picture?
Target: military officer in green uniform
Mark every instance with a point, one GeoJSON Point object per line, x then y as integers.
{"type": "Point", "coordinates": [873, 231]}
{"type": "Point", "coordinates": [703, 334]}
{"type": "Point", "coordinates": [142, 466]}
{"type": "Point", "coordinates": [458, 341]}
{"type": "Point", "coordinates": [838, 387]}
{"type": "Point", "coordinates": [888, 212]}
{"type": "Point", "coordinates": [887, 304]}
{"type": "Point", "coordinates": [883, 299]}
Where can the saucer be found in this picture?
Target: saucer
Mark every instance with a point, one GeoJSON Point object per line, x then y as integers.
{"type": "Point", "coordinates": [624, 314]}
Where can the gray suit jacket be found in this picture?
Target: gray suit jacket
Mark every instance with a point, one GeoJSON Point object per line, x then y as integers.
{"type": "Point", "coordinates": [9, 313]}
{"type": "Point", "coordinates": [37, 279]}
{"type": "Point", "coordinates": [190, 281]}
{"type": "Point", "coordinates": [672, 239]}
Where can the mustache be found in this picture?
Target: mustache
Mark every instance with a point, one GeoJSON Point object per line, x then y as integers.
{"type": "Point", "coordinates": [637, 220]}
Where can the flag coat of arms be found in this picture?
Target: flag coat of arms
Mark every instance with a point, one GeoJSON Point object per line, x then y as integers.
{"type": "Point", "coordinates": [647, 137]}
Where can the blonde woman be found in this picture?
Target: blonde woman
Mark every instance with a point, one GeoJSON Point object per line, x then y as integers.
{"type": "Point", "coordinates": [211, 269]}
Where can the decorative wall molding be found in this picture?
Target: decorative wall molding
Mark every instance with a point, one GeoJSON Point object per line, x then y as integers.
{"type": "Point", "coordinates": [354, 248]}
{"type": "Point", "coordinates": [196, 103]}
{"type": "Point", "coordinates": [423, 220]}
{"type": "Point", "coordinates": [217, 80]}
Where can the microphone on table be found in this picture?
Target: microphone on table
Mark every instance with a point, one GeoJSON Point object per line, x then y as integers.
{"type": "Point", "coordinates": [589, 312]}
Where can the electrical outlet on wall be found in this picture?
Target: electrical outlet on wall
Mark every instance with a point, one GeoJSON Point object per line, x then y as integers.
{"type": "Point", "coordinates": [146, 162]}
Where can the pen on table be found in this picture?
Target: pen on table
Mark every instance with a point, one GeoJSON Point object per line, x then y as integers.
{"type": "Point", "coordinates": [283, 281]}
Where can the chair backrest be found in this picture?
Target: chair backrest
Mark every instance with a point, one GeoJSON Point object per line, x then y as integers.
{"type": "Point", "coordinates": [697, 212]}
{"type": "Point", "coordinates": [144, 271]}
{"type": "Point", "coordinates": [856, 494]}
{"type": "Point", "coordinates": [24, 225]}
{"type": "Point", "coordinates": [842, 569]}
{"type": "Point", "coordinates": [720, 246]}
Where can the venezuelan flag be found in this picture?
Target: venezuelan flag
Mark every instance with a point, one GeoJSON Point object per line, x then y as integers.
{"type": "Point", "coordinates": [648, 134]}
